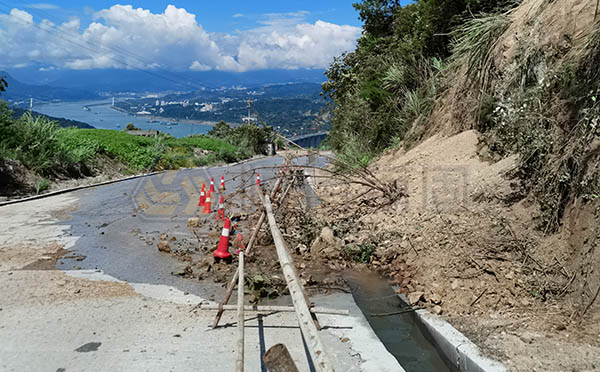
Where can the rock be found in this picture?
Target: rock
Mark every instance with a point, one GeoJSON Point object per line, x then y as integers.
{"type": "Point", "coordinates": [435, 299]}
{"type": "Point", "coordinates": [345, 339]}
{"type": "Point", "coordinates": [454, 285]}
{"type": "Point", "coordinates": [419, 239]}
{"type": "Point", "coordinates": [302, 248]}
{"type": "Point", "coordinates": [437, 310]}
{"type": "Point", "coordinates": [163, 246]}
{"type": "Point", "coordinates": [193, 222]}
{"type": "Point", "coordinates": [415, 297]}
{"type": "Point", "coordinates": [164, 236]}
{"type": "Point", "coordinates": [326, 245]}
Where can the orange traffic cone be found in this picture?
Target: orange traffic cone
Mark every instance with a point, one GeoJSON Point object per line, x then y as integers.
{"type": "Point", "coordinates": [207, 208]}
{"type": "Point", "coordinates": [239, 243]}
{"type": "Point", "coordinates": [223, 247]}
{"type": "Point", "coordinates": [202, 195]}
{"type": "Point", "coordinates": [222, 187]}
{"type": "Point", "coordinates": [221, 213]}
{"type": "Point", "coordinates": [258, 179]}
{"type": "Point", "coordinates": [212, 185]}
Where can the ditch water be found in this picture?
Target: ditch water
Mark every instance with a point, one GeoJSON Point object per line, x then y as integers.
{"type": "Point", "coordinates": [400, 333]}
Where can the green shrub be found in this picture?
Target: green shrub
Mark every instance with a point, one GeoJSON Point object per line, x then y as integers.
{"type": "Point", "coordinates": [41, 185]}
{"type": "Point", "coordinates": [475, 40]}
{"type": "Point", "coordinates": [34, 142]}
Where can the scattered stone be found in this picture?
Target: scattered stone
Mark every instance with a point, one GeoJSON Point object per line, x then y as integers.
{"type": "Point", "coordinates": [301, 248]}
{"type": "Point", "coordinates": [415, 297]}
{"type": "Point", "coordinates": [163, 246]}
{"type": "Point", "coordinates": [435, 299]}
{"type": "Point", "coordinates": [437, 310]}
{"type": "Point", "coordinates": [193, 222]}
{"type": "Point", "coordinates": [91, 346]}
{"type": "Point", "coordinates": [326, 245]}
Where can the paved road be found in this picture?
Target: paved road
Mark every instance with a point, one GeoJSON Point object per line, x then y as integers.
{"type": "Point", "coordinates": [120, 309]}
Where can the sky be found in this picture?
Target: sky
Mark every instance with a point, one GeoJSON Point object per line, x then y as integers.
{"type": "Point", "coordinates": [178, 35]}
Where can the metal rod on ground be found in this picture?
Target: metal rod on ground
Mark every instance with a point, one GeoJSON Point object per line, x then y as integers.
{"type": "Point", "coordinates": [308, 327]}
{"type": "Point", "coordinates": [240, 310]}
{"type": "Point", "coordinates": [283, 309]}
{"type": "Point", "coordinates": [251, 242]}
{"type": "Point", "coordinates": [278, 359]}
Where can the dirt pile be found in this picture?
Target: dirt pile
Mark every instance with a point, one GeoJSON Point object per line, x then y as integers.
{"type": "Point", "coordinates": [463, 243]}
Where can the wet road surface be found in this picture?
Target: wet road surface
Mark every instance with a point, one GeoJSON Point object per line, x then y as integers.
{"type": "Point", "coordinates": [118, 224]}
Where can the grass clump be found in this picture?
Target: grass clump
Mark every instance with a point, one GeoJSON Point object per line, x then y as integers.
{"type": "Point", "coordinates": [41, 185]}
{"type": "Point", "coordinates": [475, 40]}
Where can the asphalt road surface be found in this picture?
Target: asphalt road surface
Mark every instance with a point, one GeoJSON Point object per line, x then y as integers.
{"type": "Point", "coordinates": [114, 306]}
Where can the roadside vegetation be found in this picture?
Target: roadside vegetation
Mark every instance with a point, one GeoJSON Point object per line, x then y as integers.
{"type": "Point", "coordinates": [249, 138]}
{"type": "Point", "coordinates": [49, 152]}
{"type": "Point", "coordinates": [433, 66]}
{"type": "Point", "coordinates": [511, 88]}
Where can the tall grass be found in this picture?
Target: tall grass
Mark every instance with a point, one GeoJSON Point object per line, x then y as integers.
{"type": "Point", "coordinates": [33, 141]}
{"type": "Point", "coordinates": [475, 40]}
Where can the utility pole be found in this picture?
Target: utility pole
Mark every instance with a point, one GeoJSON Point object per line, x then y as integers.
{"type": "Point", "coordinates": [249, 107]}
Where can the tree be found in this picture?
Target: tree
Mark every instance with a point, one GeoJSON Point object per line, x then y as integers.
{"type": "Point", "coordinates": [377, 15]}
{"type": "Point", "coordinates": [221, 130]}
{"type": "Point", "coordinates": [130, 126]}
{"type": "Point", "coordinates": [3, 84]}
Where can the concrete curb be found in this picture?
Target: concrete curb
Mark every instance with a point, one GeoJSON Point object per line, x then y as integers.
{"type": "Point", "coordinates": [82, 187]}
{"type": "Point", "coordinates": [464, 355]}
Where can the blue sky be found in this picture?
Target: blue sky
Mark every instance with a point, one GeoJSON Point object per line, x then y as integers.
{"type": "Point", "coordinates": [180, 36]}
{"type": "Point", "coordinates": [215, 16]}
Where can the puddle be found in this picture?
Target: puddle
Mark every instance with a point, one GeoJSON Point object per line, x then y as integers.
{"type": "Point", "coordinates": [400, 334]}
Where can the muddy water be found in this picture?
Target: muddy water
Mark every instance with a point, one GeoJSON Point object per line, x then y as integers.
{"type": "Point", "coordinates": [399, 333]}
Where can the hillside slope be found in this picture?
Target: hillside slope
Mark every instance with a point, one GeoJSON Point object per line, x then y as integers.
{"type": "Point", "coordinates": [20, 91]}
{"type": "Point", "coordinates": [499, 227]}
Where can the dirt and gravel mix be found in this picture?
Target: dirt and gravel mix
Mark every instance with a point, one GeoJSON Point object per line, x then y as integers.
{"type": "Point", "coordinates": [465, 244]}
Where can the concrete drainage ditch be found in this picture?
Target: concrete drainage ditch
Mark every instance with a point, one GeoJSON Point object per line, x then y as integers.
{"type": "Point", "coordinates": [419, 340]}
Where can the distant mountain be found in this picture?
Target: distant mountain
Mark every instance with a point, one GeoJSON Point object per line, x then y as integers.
{"type": "Point", "coordinates": [62, 122]}
{"type": "Point", "coordinates": [17, 91]}
{"type": "Point", "coordinates": [112, 80]}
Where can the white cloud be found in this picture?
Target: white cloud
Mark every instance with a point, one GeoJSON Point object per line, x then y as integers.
{"type": "Point", "coordinates": [238, 15]}
{"type": "Point", "coordinates": [126, 37]}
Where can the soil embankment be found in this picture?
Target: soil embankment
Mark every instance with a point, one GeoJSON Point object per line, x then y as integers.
{"type": "Point", "coordinates": [460, 246]}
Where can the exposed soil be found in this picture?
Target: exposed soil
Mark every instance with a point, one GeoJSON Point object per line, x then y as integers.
{"type": "Point", "coordinates": [17, 181]}
{"type": "Point", "coordinates": [465, 243]}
